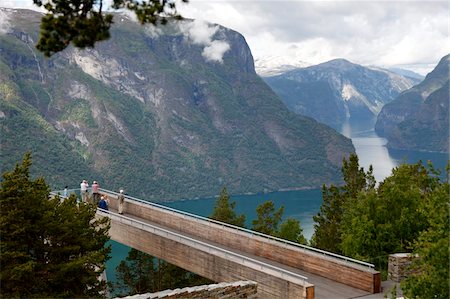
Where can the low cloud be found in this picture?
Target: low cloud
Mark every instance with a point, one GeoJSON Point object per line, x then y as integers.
{"type": "Point", "coordinates": [4, 22]}
{"type": "Point", "coordinates": [153, 31]}
{"type": "Point", "coordinates": [202, 33]}
{"type": "Point", "coordinates": [215, 51]}
{"type": "Point", "coordinates": [383, 33]}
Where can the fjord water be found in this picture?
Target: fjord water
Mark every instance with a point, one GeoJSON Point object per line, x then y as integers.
{"type": "Point", "coordinates": [371, 150]}
{"type": "Point", "coordinates": [304, 204]}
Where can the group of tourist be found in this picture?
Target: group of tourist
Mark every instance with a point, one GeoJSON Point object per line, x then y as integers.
{"type": "Point", "coordinates": [99, 200]}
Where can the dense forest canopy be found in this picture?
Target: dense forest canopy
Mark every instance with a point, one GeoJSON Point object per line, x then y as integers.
{"type": "Point", "coordinates": [407, 212]}
{"type": "Point", "coordinates": [50, 247]}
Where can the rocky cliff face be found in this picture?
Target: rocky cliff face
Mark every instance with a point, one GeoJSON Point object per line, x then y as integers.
{"type": "Point", "coordinates": [169, 112]}
{"type": "Point", "coordinates": [338, 90]}
{"type": "Point", "coordinates": [418, 118]}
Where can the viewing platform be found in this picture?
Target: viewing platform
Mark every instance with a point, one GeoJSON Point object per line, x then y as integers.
{"type": "Point", "coordinates": [226, 253]}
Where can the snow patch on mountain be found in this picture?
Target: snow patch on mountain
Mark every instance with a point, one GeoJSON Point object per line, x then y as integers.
{"type": "Point", "coordinates": [275, 65]}
{"type": "Point", "coordinates": [348, 92]}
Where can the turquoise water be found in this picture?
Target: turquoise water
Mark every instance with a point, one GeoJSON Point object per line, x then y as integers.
{"type": "Point", "coordinates": [304, 204]}
{"type": "Point", "coordinates": [301, 205]}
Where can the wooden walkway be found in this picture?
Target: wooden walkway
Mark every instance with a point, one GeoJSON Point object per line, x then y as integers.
{"type": "Point", "coordinates": [225, 253]}
{"type": "Point", "coordinates": [323, 288]}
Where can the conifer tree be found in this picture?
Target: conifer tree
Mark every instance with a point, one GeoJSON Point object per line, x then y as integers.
{"type": "Point", "coordinates": [224, 210]}
{"type": "Point", "coordinates": [291, 230]}
{"type": "Point", "coordinates": [327, 227]}
{"type": "Point", "coordinates": [49, 248]}
{"type": "Point", "coordinates": [431, 268]}
{"type": "Point", "coordinates": [136, 274]}
{"type": "Point", "coordinates": [267, 220]}
{"type": "Point", "coordinates": [392, 217]}
{"type": "Point", "coordinates": [85, 22]}
{"type": "Point", "coordinates": [142, 273]}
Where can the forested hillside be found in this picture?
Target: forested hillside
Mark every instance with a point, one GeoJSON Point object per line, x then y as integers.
{"type": "Point", "coordinates": [167, 113]}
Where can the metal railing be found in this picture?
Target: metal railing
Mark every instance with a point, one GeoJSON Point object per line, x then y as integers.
{"type": "Point", "coordinates": [75, 191]}
{"type": "Point", "coordinates": [197, 244]}
{"type": "Point", "coordinates": [248, 231]}
{"type": "Point", "coordinates": [223, 224]}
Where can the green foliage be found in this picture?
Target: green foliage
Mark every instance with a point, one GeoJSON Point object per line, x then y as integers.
{"type": "Point", "coordinates": [171, 277]}
{"type": "Point", "coordinates": [432, 247]}
{"type": "Point", "coordinates": [142, 273]}
{"type": "Point", "coordinates": [79, 111]}
{"type": "Point", "coordinates": [389, 219]}
{"type": "Point", "coordinates": [267, 222]}
{"type": "Point", "coordinates": [135, 275]}
{"type": "Point", "coordinates": [327, 227]}
{"type": "Point", "coordinates": [291, 230]}
{"type": "Point", "coordinates": [221, 119]}
{"type": "Point", "coordinates": [408, 210]}
{"type": "Point", "coordinates": [83, 22]}
{"type": "Point", "coordinates": [267, 219]}
{"type": "Point", "coordinates": [25, 130]}
{"type": "Point", "coordinates": [224, 210]}
{"type": "Point", "coordinates": [49, 248]}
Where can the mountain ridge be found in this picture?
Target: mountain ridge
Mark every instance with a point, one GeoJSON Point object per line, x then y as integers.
{"type": "Point", "coordinates": [165, 113]}
{"type": "Point", "coordinates": [418, 118]}
{"type": "Point", "coordinates": [347, 89]}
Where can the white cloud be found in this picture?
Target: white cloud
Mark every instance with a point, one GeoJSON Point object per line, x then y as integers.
{"type": "Point", "coordinates": [4, 22]}
{"type": "Point", "coordinates": [215, 51]}
{"type": "Point", "coordinates": [385, 33]}
{"type": "Point", "coordinates": [25, 4]}
{"type": "Point", "coordinates": [153, 31]}
{"type": "Point", "coordinates": [199, 32]}
{"type": "Point", "coordinates": [202, 33]}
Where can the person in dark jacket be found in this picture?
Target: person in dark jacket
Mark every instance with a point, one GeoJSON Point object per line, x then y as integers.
{"type": "Point", "coordinates": [103, 204]}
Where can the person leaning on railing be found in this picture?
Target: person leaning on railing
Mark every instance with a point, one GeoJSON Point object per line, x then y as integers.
{"type": "Point", "coordinates": [84, 191]}
{"type": "Point", "coordinates": [95, 194]}
{"type": "Point", "coordinates": [103, 204]}
{"type": "Point", "coordinates": [121, 199]}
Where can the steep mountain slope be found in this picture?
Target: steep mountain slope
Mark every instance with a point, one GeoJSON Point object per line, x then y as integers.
{"type": "Point", "coordinates": [418, 118]}
{"type": "Point", "coordinates": [23, 129]}
{"type": "Point", "coordinates": [335, 91]}
{"type": "Point", "coordinates": [167, 113]}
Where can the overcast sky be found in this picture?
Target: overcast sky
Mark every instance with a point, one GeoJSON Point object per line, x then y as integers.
{"type": "Point", "coordinates": [408, 34]}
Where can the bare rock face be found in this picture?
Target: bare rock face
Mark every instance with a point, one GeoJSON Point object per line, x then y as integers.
{"type": "Point", "coordinates": [338, 90]}
{"type": "Point", "coordinates": [418, 119]}
{"type": "Point", "coordinates": [168, 112]}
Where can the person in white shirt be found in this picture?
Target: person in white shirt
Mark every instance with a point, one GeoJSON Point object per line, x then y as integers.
{"type": "Point", "coordinates": [84, 191]}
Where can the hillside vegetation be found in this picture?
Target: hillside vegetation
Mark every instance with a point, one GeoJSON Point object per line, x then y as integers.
{"type": "Point", "coordinates": [159, 111]}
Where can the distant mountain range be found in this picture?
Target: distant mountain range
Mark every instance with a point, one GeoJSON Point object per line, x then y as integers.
{"type": "Point", "coordinates": [166, 113]}
{"type": "Point", "coordinates": [338, 90]}
{"type": "Point", "coordinates": [418, 119]}
{"type": "Point", "coordinates": [268, 66]}
{"type": "Point", "coordinates": [407, 73]}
